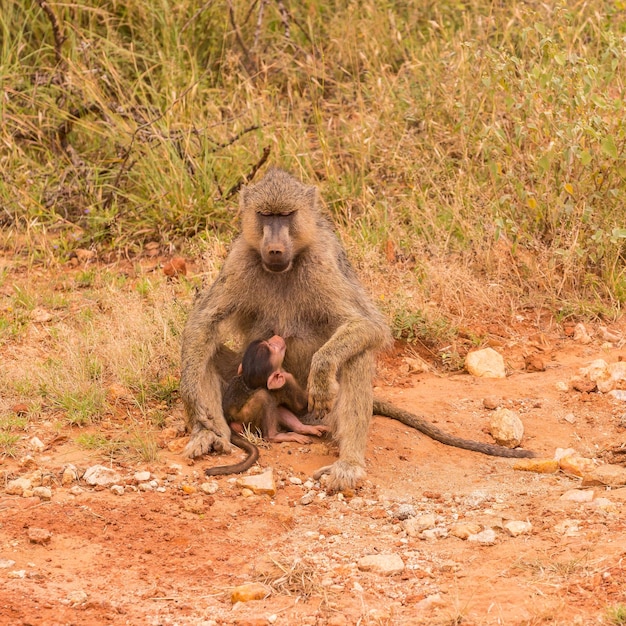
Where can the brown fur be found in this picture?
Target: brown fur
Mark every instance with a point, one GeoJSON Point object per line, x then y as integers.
{"type": "Point", "coordinates": [332, 329]}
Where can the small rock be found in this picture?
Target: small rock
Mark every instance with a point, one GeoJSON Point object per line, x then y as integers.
{"type": "Point", "coordinates": [570, 418]}
{"type": "Point", "coordinates": [40, 315]}
{"type": "Point", "coordinates": [577, 495]}
{"type": "Point", "coordinates": [294, 480]}
{"type": "Point", "coordinates": [36, 444]}
{"type": "Point", "coordinates": [486, 538]}
{"type": "Point", "coordinates": [416, 525]}
{"type": "Point", "coordinates": [6, 563]}
{"type": "Point", "coordinates": [142, 477]}
{"type": "Point", "coordinates": [609, 335]}
{"type": "Point", "coordinates": [486, 363]}
{"type": "Point", "coordinates": [534, 363]}
{"type": "Point", "coordinates": [20, 409]}
{"type": "Point", "coordinates": [385, 564]}
{"type": "Point", "coordinates": [561, 453]}
{"type": "Point", "coordinates": [176, 267]}
{"type": "Point", "coordinates": [209, 487]}
{"type": "Point", "coordinates": [506, 428]}
{"type": "Point", "coordinates": [145, 487]}
{"type": "Point", "coordinates": [249, 592]}
{"type": "Point", "coordinates": [492, 402]}
{"type": "Point", "coordinates": [561, 386]}
{"type": "Point", "coordinates": [43, 493]}
{"type": "Point", "coordinates": [39, 535]}
{"type": "Point", "coordinates": [405, 511]}
{"type": "Point", "coordinates": [307, 498]}
{"type": "Point", "coordinates": [76, 490]}
{"type": "Point", "coordinates": [582, 384]}
{"type": "Point", "coordinates": [463, 530]}
{"type": "Point", "coordinates": [70, 475]}
{"type": "Point", "coordinates": [260, 483]}
{"type": "Point", "coordinates": [430, 602]}
{"type": "Point", "coordinates": [609, 475]}
{"type": "Point", "coordinates": [74, 598]}
{"type": "Point", "coordinates": [516, 528]}
{"type": "Point", "coordinates": [576, 465]}
{"type": "Point", "coordinates": [101, 475]}
{"type": "Point", "coordinates": [439, 532]}
{"type": "Point", "coordinates": [117, 490]}
{"type": "Point", "coordinates": [581, 335]}
{"type": "Point", "coordinates": [20, 573]}
{"type": "Point", "coordinates": [18, 486]}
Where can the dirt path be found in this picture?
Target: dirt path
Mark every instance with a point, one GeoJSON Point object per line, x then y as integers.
{"type": "Point", "coordinates": [171, 551]}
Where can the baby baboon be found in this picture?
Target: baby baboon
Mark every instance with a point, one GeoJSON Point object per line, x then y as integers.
{"type": "Point", "coordinates": [288, 274]}
{"type": "Point", "coordinates": [265, 396]}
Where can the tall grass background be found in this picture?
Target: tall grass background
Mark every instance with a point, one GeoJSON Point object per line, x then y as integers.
{"type": "Point", "coordinates": [471, 154]}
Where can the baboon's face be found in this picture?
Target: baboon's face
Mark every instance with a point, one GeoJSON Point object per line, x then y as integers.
{"type": "Point", "coordinates": [278, 219]}
{"type": "Point", "coordinates": [276, 243]}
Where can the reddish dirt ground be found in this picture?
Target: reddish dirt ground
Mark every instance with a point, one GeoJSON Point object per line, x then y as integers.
{"type": "Point", "coordinates": [174, 556]}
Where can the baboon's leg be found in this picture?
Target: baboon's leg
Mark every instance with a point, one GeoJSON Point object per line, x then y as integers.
{"type": "Point", "coordinates": [349, 421]}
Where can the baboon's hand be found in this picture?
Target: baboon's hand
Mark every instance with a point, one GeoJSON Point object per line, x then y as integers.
{"type": "Point", "coordinates": [323, 390]}
{"type": "Point", "coordinates": [202, 441]}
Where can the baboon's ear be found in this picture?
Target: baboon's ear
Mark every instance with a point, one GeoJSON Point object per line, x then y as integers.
{"type": "Point", "coordinates": [240, 370]}
{"type": "Point", "coordinates": [276, 380]}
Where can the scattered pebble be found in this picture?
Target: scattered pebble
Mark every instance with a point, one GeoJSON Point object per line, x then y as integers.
{"type": "Point", "coordinates": [416, 525]}
{"type": "Point", "coordinates": [506, 428]}
{"type": "Point", "coordinates": [516, 528]}
{"type": "Point", "coordinates": [486, 537]}
{"type": "Point", "coordinates": [486, 363]}
{"type": "Point", "coordinates": [210, 487]}
{"type": "Point", "coordinates": [117, 490]}
{"type": "Point", "coordinates": [463, 530]}
{"type": "Point", "coordinates": [101, 475]}
{"type": "Point", "coordinates": [541, 466]}
{"type": "Point", "coordinates": [249, 592]}
{"type": "Point", "coordinates": [19, 487]}
{"type": "Point", "coordinates": [39, 535]}
{"type": "Point", "coordinates": [385, 564]}
{"type": "Point", "coordinates": [609, 475]}
{"type": "Point", "coordinates": [577, 495]}
{"type": "Point", "coordinates": [576, 465]}
{"type": "Point", "coordinates": [260, 483]}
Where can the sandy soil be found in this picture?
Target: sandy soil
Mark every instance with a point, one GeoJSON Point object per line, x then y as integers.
{"type": "Point", "coordinates": [172, 552]}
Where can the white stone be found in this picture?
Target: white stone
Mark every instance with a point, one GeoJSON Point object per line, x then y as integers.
{"type": "Point", "coordinates": [516, 528]}
{"type": "Point", "coordinates": [506, 428]}
{"type": "Point", "coordinates": [209, 487]}
{"type": "Point", "coordinates": [6, 563]}
{"type": "Point", "coordinates": [487, 537]}
{"type": "Point", "coordinates": [36, 444]}
{"type": "Point", "coordinates": [486, 363]}
{"type": "Point", "coordinates": [259, 484]}
{"type": "Point", "coordinates": [117, 490]}
{"type": "Point", "coordinates": [578, 495]}
{"type": "Point", "coordinates": [580, 334]}
{"type": "Point", "coordinates": [385, 564]}
{"type": "Point", "coordinates": [18, 486]}
{"type": "Point", "coordinates": [43, 493]}
{"type": "Point", "coordinates": [70, 475]}
{"type": "Point", "coordinates": [142, 477]}
{"type": "Point", "coordinates": [101, 475]}
{"type": "Point", "coordinates": [414, 526]}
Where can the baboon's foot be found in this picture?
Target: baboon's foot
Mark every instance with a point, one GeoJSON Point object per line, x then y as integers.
{"type": "Point", "coordinates": [203, 441]}
{"type": "Point", "coordinates": [342, 476]}
{"type": "Point", "coordinates": [289, 437]}
{"type": "Point", "coordinates": [318, 431]}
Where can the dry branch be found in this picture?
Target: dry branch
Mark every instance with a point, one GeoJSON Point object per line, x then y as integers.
{"type": "Point", "coordinates": [59, 37]}
{"type": "Point", "coordinates": [248, 177]}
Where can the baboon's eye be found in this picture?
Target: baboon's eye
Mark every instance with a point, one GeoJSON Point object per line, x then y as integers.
{"type": "Point", "coordinates": [274, 213]}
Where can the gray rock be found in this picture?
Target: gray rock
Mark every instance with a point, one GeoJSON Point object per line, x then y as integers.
{"type": "Point", "coordinates": [18, 486]}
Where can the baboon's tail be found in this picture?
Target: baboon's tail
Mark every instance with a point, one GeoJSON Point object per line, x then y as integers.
{"type": "Point", "coordinates": [389, 410]}
{"type": "Point", "coordinates": [237, 468]}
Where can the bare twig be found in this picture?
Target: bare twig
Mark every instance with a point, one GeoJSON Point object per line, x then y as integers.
{"type": "Point", "coordinates": [195, 16]}
{"type": "Point", "coordinates": [236, 137]}
{"type": "Point", "coordinates": [284, 14]}
{"type": "Point", "coordinates": [248, 62]}
{"type": "Point", "coordinates": [59, 37]}
{"type": "Point", "coordinates": [259, 22]}
{"type": "Point", "coordinates": [246, 179]}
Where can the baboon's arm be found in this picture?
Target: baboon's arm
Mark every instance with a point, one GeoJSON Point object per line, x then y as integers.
{"type": "Point", "coordinates": [353, 337]}
{"type": "Point", "coordinates": [200, 384]}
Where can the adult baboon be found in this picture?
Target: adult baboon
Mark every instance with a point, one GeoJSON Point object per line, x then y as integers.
{"type": "Point", "coordinates": [287, 274]}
